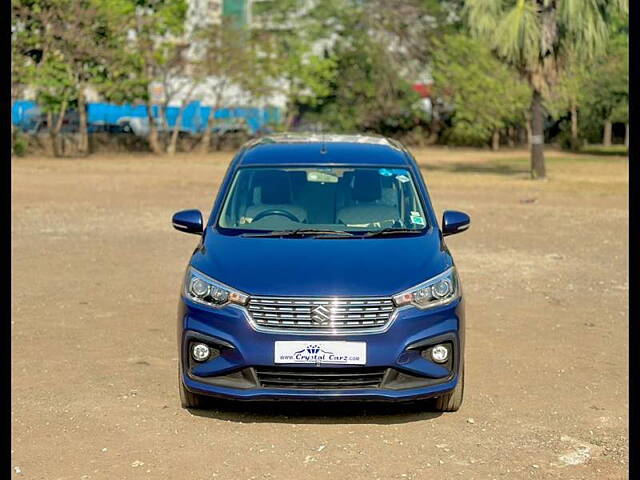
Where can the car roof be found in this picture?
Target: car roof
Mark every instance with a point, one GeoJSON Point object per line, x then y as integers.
{"type": "Point", "coordinates": [325, 149]}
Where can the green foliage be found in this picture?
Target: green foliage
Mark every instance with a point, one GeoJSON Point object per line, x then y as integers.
{"type": "Point", "coordinates": [126, 64]}
{"type": "Point", "coordinates": [356, 82]}
{"type": "Point", "coordinates": [346, 63]}
{"type": "Point", "coordinates": [19, 143]}
{"type": "Point", "coordinates": [606, 89]}
{"type": "Point", "coordinates": [230, 55]}
{"type": "Point", "coordinates": [530, 34]}
{"type": "Point", "coordinates": [286, 58]}
{"type": "Point", "coordinates": [366, 95]}
{"type": "Point", "coordinates": [486, 95]}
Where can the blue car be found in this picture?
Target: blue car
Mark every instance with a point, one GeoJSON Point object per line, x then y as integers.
{"type": "Point", "coordinates": [322, 274]}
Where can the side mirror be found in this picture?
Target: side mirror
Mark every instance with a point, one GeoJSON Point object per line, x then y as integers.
{"type": "Point", "coordinates": [188, 221]}
{"type": "Point", "coordinates": [454, 222]}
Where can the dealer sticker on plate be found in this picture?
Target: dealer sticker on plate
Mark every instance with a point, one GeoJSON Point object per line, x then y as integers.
{"type": "Point", "coordinates": [344, 353]}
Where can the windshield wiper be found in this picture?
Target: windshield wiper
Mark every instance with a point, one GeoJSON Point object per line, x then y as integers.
{"type": "Point", "coordinates": [300, 232]}
{"type": "Point", "coordinates": [392, 231]}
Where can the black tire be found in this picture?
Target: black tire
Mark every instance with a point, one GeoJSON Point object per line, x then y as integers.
{"type": "Point", "coordinates": [451, 401]}
{"type": "Point", "coordinates": [189, 399]}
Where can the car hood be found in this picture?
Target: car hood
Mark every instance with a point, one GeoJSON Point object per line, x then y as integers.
{"type": "Point", "coordinates": [319, 267]}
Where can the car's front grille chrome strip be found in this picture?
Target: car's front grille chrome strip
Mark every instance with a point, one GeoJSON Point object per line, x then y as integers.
{"type": "Point", "coordinates": [321, 313]}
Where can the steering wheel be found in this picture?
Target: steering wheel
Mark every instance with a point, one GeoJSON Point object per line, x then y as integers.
{"type": "Point", "coordinates": [275, 211]}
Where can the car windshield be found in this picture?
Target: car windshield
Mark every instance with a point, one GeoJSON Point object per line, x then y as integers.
{"type": "Point", "coordinates": [327, 200]}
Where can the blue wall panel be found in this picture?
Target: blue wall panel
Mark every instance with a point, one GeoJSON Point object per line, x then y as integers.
{"type": "Point", "coordinates": [194, 118]}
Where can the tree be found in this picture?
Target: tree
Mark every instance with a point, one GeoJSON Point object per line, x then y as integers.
{"type": "Point", "coordinates": [149, 33]}
{"type": "Point", "coordinates": [355, 61]}
{"type": "Point", "coordinates": [40, 64]}
{"type": "Point", "coordinates": [225, 58]}
{"type": "Point", "coordinates": [568, 96]}
{"type": "Point", "coordinates": [381, 48]}
{"type": "Point", "coordinates": [289, 31]}
{"type": "Point", "coordinates": [487, 96]}
{"type": "Point", "coordinates": [55, 90]}
{"type": "Point", "coordinates": [366, 92]}
{"type": "Point", "coordinates": [606, 93]}
{"type": "Point", "coordinates": [158, 26]}
{"type": "Point", "coordinates": [64, 45]}
{"type": "Point", "coordinates": [534, 36]}
{"type": "Point", "coordinates": [81, 36]}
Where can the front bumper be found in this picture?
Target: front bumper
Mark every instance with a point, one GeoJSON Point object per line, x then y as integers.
{"type": "Point", "coordinates": [244, 368]}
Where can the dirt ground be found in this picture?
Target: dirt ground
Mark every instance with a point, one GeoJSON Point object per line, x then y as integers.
{"type": "Point", "coordinates": [97, 269]}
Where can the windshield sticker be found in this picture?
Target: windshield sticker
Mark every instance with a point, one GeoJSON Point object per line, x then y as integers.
{"type": "Point", "coordinates": [403, 178]}
{"type": "Point", "coordinates": [417, 219]}
{"type": "Point", "coordinates": [385, 172]}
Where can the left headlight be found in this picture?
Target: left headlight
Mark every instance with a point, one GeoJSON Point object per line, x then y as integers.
{"type": "Point", "coordinates": [439, 290]}
{"type": "Point", "coordinates": [202, 289]}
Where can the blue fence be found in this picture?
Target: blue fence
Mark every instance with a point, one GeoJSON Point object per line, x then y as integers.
{"type": "Point", "coordinates": [194, 118]}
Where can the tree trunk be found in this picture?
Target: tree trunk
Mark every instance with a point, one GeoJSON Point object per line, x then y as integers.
{"type": "Point", "coordinates": [495, 140]}
{"type": "Point", "coordinates": [206, 136]}
{"type": "Point", "coordinates": [54, 130]}
{"type": "Point", "coordinates": [511, 137]}
{"type": "Point", "coordinates": [13, 131]}
{"type": "Point", "coordinates": [626, 135]}
{"type": "Point", "coordinates": [434, 128]}
{"type": "Point", "coordinates": [574, 122]}
{"type": "Point", "coordinates": [171, 149]}
{"type": "Point", "coordinates": [83, 145]}
{"type": "Point", "coordinates": [523, 137]}
{"type": "Point", "coordinates": [290, 118]}
{"type": "Point", "coordinates": [153, 131]}
{"type": "Point", "coordinates": [606, 139]}
{"type": "Point", "coordinates": [537, 137]}
{"type": "Point", "coordinates": [52, 135]}
{"type": "Point", "coordinates": [527, 126]}
{"type": "Point", "coordinates": [163, 109]}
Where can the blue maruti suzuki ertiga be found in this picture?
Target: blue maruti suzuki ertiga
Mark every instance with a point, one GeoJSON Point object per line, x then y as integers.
{"type": "Point", "coordinates": [322, 274]}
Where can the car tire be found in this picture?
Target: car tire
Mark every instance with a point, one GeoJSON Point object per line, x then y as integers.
{"type": "Point", "coordinates": [189, 399]}
{"type": "Point", "coordinates": [451, 401]}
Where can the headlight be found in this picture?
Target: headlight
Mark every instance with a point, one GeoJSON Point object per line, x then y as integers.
{"type": "Point", "coordinates": [439, 290]}
{"type": "Point", "coordinates": [202, 289]}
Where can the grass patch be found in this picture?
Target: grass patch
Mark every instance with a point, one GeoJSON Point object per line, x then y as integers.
{"type": "Point", "coordinates": [602, 150]}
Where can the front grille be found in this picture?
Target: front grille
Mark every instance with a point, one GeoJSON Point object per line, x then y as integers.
{"type": "Point", "coordinates": [320, 378]}
{"type": "Point", "coordinates": [321, 313]}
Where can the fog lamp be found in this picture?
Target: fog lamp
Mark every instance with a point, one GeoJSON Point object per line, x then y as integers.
{"type": "Point", "coordinates": [439, 353]}
{"type": "Point", "coordinates": [200, 352]}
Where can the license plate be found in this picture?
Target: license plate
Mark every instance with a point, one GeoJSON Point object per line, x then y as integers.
{"type": "Point", "coordinates": [334, 353]}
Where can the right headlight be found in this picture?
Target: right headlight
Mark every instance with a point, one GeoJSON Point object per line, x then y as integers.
{"type": "Point", "coordinates": [439, 290]}
{"type": "Point", "coordinates": [203, 289]}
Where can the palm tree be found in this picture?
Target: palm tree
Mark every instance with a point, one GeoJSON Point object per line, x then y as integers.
{"type": "Point", "coordinates": [535, 37]}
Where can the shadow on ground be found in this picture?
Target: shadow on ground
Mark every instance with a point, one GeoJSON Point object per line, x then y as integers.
{"type": "Point", "coordinates": [379, 413]}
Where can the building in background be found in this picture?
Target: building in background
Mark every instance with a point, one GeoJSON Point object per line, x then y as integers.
{"type": "Point", "coordinates": [203, 13]}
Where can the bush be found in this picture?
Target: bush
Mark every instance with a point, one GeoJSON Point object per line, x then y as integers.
{"type": "Point", "coordinates": [567, 142]}
{"type": "Point", "coordinates": [19, 143]}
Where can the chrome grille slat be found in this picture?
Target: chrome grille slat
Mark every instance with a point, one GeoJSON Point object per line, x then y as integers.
{"type": "Point", "coordinates": [340, 313]}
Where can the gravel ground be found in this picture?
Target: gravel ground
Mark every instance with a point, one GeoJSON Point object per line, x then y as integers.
{"type": "Point", "coordinates": [96, 275]}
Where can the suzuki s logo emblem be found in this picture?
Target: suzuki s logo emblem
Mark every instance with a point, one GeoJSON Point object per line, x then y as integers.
{"type": "Point", "coordinates": [321, 315]}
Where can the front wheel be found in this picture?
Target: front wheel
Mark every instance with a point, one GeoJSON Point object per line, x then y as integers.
{"type": "Point", "coordinates": [451, 401]}
{"type": "Point", "coordinates": [189, 399]}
